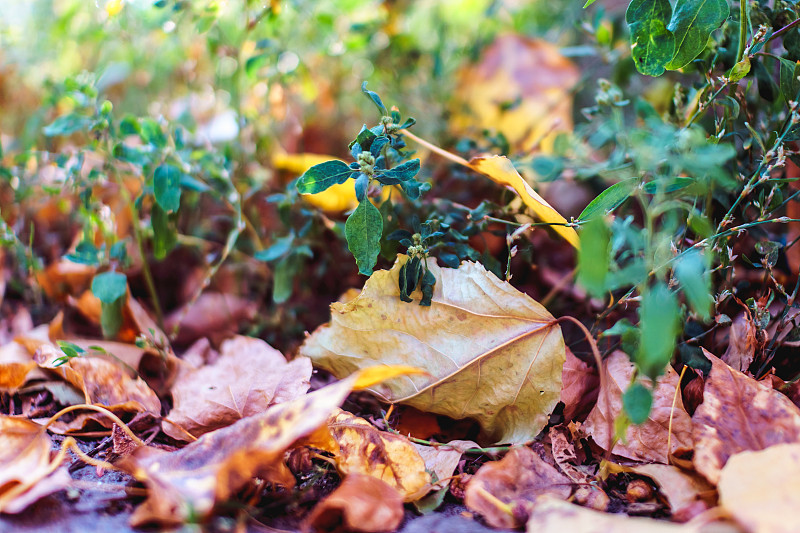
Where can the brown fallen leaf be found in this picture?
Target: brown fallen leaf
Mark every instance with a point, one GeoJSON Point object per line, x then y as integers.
{"type": "Point", "coordinates": [364, 449]}
{"type": "Point", "coordinates": [15, 364]}
{"type": "Point", "coordinates": [761, 489]}
{"type": "Point", "coordinates": [28, 469]}
{"type": "Point", "coordinates": [63, 278]}
{"type": "Point", "coordinates": [682, 489]}
{"type": "Point", "coordinates": [490, 352]}
{"type": "Point", "coordinates": [249, 377]}
{"type": "Point", "coordinates": [742, 342]}
{"type": "Point", "coordinates": [580, 387]}
{"type": "Point", "coordinates": [551, 515]}
{"type": "Point", "coordinates": [102, 382]}
{"type": "Point", "coordinates": [214, 315]}
{"type": "Point", "coordinates": [565, 456]}
{"type": "Point", "coordinates": [361, 503]}
{"type": "Point", "coordinates": [504, 492]}
{"type": "Point", "coordinates": [217, 465]}
{"type": "Point", "coordinates": [648, 441]}
{"type": "Point", "coordinates": [738, 414]}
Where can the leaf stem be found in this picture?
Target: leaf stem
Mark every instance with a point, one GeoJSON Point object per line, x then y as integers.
{"type": "Point", "coordinates": [743, 9]}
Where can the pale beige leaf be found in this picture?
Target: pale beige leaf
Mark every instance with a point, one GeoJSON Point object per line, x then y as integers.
{"type": "Point", "coordinates": [490, 352]}
{"type": "Point", "coordinates": [551, 515]}
{"type": "Point", "coordinates": [363, 449]}
{"type": "Point", "coordinates": [248, 377]}
{"type": "Point", "coordinates": [761, 489]}
{"type": "Point", "coordinates": [739, 414]}
{"type": "Point", "coordinates": [648, 441]}
{"type": "Point", "coordinates": [443, 460]}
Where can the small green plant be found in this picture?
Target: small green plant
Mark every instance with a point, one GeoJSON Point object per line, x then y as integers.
{"type": "Point", "coordinates": [380, 160]}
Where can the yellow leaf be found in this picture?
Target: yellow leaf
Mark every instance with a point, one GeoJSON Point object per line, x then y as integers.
{"type": "Point", "coordinates": [373, 375]}
{"type": "Point", "coordinates": [113, 7]}
{"type": "Point", "coordinates": [363, 449]}
{"type": "Point", "coordinates": [336, 199]}
{"type": "Point", "coordinates": [520, 87]}
{"type": "Point", "coordinates": [501, 170]}
{"type": "Point", "coordinates": [490, 352]}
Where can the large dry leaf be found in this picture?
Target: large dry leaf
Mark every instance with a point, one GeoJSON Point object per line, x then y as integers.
{"type": "Point", "coordinates": [501, 170]}
{"type": "Point", "coordinates": [491, 352]}
{"type": "Point", "coordinates": [25, 463]}
{"type": "Point", "coordinates": [555, 516]}
{"type": "Point", "coordinates": [361, 503]}
{"type": "Point", "coordinates": [647, 441]}
{"type": "Point", "coordinates": [218, 464]}
{"type": "Point", "coordinates": [504, 492]}
{"type": "Point", "coordinates": [739, 414]}
{"type": "Point", "coordinates": [249, 377]}
{"type": "Point", "coordinates": [363, 449]}
{"type": "Point", "coordinates": [761, 489]}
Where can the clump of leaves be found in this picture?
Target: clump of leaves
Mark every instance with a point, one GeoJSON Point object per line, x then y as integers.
{"type": "Point", "coordinates": [380, 160]}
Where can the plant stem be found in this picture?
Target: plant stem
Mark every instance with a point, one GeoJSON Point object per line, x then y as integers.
{"type": "Point", "coordinates": [742, 29]}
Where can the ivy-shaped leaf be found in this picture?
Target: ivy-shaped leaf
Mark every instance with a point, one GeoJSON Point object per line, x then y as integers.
{"type": "Point", "coordinates": [167, 187]}
{"type": "Point", "coordinates": [363, 231]}
{"type": "Point", "coordinates": [652, 44]}
{"type": "Point", "coordinates": [692, 23]}
{"type": "Point", "coordinates": [790, 86]}
{"type": "Point", "coordinates": [320, 177]}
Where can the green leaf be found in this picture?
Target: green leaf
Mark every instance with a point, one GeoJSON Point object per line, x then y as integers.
{"type": "Point", "coordinates": [409, 277]}
{"type": "Point", "coordinates": [668, 185]}
{"type": "Point", "coordinates": [593, 256]}
{"type": "Point", "coordinates": [283, 279]}
{"type": "Point", "coordinates": [660, 318]}
{"type": "Point", "coordinates": [111, 318]}
{"type": "Point", "coordinates": [320, 177]}
{"type": "Point", "coordinates": [364, 139]}
{"type": "Point", "coordinates": [426, 286]}
{"type": "Point", "coordinates": [740, 70]}
{"type": "Point", "coordinates": [790, 86]}
{"type": "Point", "coordinates": [254, 63]}
{"type": "Point", "coordinates": [375, 99]}
{"type": "Point", "coordinates": [609, 199]}
{"type": "Point", "coordinates": [692, 23]}
{"type": "Point", "coordinates": [165, 234]}
{"type": "Point", "coordinates": [400, 173]}
{"type": "Point", "coordinates": [151, 133]}
{"type": "Point", "coordinates": [167, 187]}
{"type": "Point", "coordinates": [363, 231]}
{"type": "Point", "coordinates": [66, 125]}
{"type": "Point", "coordinates": [637, 401]}
{"type": "Point", "coordinates": [652, 44]}
{"type": "Point", "coordinates": [278, 249]}
{"type": "Point", "coordinates": [588, 3]}
{"type": "Point", "coordinates": [109, 287]}
{"type": "Point", "coordinates": [692, 274]}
